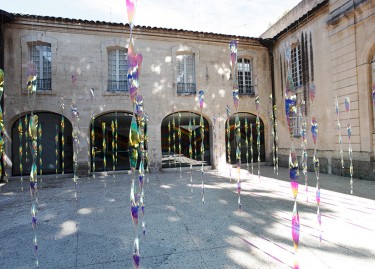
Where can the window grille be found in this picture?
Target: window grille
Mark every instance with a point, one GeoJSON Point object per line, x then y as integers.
{"type": "Point", "coordinates": [41, 56]}
{"type": "Point", "coordinates": [117, 70]}
{"type": "Point", "coordinates": [245, 77]}
{"type": "Point", "coordinates": [186, 82]}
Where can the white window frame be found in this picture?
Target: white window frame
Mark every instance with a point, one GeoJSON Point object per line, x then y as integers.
{"type": "Point", "coordinates": [296, 62]}
{"type": "Point", "coordinates": [186, 77]}
{"type": "Point", "coordinates": [247, 79]}
{"type": "Point", "coordinates": [38, 52]}
{"type": "Point", "coordinates": [117, 86]}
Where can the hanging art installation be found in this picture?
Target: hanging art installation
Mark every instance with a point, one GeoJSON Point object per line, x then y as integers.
{"type": "Point", "coordinates": [228, 143]}
{"type": "Point", "coordinates": [75, 133]}
{"type": "Point", "coordinates": [62, 126]}
{"type": "Point", "coordinates": [90, 140]}
{"type": "Point", "coordinates": [302, 119]}
{"type": "Point", "coordinates": [201, 124]}
{"type": "Point", "coordinates": [174, 139]}
{"type": "Point", "coordinates": [104, 146]}
{"type": "Point", "coordinates": [257, 125]}
{"type": "Point", "coordinates": [191, 154]}
{"type": "Point", "coordinates": [113, 146]}
{"type": "Point", "coordinates": [56, 148]}
{"type": "Point", "coordinates": [291, 112]}
{"type": "Point", "coordinates": [33, 136]}
{"type": "Point", "coordinates": [179, 141]}
{"type": "Point", "coordinates": [237, 124]}
{"type": "Point", "coordinates": [2, 130]}
{"type": "Point", "coordinates": [137, 136]}
{"type": "Point", "coordinates": [169, 142]}
{"type": "Point", "coordinates": [215, 141]}
{"type": "Point", "coordinates": [338, 126]}
{"type": "Point", "coordinates": [349, 130]}
{"type": "Point", "coordinates": [275, 158]}
{"type": "Point", "coordinates": [247, 144]}
{"type": "Point", "coordinates": [40, 148]}
{"type": "Point", "coordinates": [20, 150]}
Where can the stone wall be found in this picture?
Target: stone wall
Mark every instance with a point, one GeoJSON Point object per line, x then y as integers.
{"type": "Point", "coordinates": [80, 48]}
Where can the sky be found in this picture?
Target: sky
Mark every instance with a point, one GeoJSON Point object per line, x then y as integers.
{"type": "Point", "coordinates": [232, 17]}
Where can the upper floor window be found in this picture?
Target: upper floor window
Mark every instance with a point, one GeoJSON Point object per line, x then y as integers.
{"type": "Point", "coordinates": [296, 65]}
{"type": "Point", "coordinates": [41, 56]}
{"type": "Point", "coordinates": [117, 70]}
{"type": "Point", "coordinates": [186, 82]}
{"type": "Point", "coordinates": [245, 76]}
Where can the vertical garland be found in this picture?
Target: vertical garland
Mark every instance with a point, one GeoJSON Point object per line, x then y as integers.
{"type": "Point", "coordinates": [349, 129]}
{"type": "Point", "coordinates": [136, 134]}
{"type": "Point", "coordinates": [141, 129]}
{"type": "Point", "coordinates": [314, 134]}
{"type": "Point", "coordinates": [33, 136]}
{"type": "Point", "coordinates": [26, 120]}
{"type": "Point", "coordinates": [40, 154]}
{"type": "Point", "coordinates": [302, 118]}
{"type": "Point", "coordinates": [291, 111]}
{"type": "Point", "coordinates": [62, 125]}
{"type": "Point", "coordinates": [179, 141]}
{"type": "Point", "coordinates": [220, 146]}
{"type": "Point", "coordinates": [174, 139]}
{"type": "Point", "coordinates": [169, 142]}
{"type": "Point", "coordinates": [75, 131]}
{"type": "Point", "coordinates": [116, 140]}
{"type": "Point", "coordinates": [228, 143]}
{"type": "Point", "coordinates": [56, 148]}
{"type": "Point", "coordinates": [2, 129]}
{"type": "Point", "coordinates": [273, 131]}
{"type": "Point", "coordinates": [276, 142]}
{"type": "Point", "coordinates": [257, 124]}
{"type": "Point", "coordinates": [338, 126]}
{"type": "Point", "coordinates": [195, 138]}
{"type": "Point", "coordinates": [33, 127]}
{"type": "Point", "coordinates": [201, 124]}
{"type": "Point", "coordinates": [247, 144]}
{"type": "Point", "coordinates": [251, 149]}
{"type": "Point", "coordinates": [93, 144]}
{"type": "Point", "coordinates": [113, 146]}
{"type": "Point", "coordinates": [90, 144]}
{"type": "Point", "coordinates": [237, 124]}
{"type": "Point", "coordinates": [104, 145]}
{"type": "Point", "coordinates": [20, 151]}
{"type": "Point", "coordinates": [215, 140]}
{"type": "Point", "coordinates": [191, 153]}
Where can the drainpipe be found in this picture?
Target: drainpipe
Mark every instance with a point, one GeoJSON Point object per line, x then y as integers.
{"type": "Point", "coordinates": [269, 44]}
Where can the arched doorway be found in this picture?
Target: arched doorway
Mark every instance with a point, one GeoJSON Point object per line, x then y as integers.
{"type": "Point", "coordinates": [53, 160]}
{"type": "Point", "coordinates": [110, 141]}
{"type": "Point", "coordinates": [170, 140]}
{"type": "Point", "coordinates": [251, 120]}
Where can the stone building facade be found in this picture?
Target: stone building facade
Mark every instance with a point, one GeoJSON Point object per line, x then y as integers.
{"type": "Point", "coordinates": [333, 44]}
{"type": "Point", "coordinates": [81, 48]}
{"type": "Point", "coordinates": [337, 45]}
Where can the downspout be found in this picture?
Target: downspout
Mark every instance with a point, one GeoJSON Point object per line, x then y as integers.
{"type": "Point", "coordinates": [269, 44]}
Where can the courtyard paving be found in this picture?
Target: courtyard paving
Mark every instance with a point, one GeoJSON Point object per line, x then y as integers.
{"type": "Point", "coordinates": [90, 226]}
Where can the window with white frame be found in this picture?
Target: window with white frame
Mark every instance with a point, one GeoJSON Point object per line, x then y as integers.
{"type": "Point", "coordinates": [296, 65]}
{"type": "Point", "coordinates": [40, 55]}
{"type": "Point", "coordinates": [186, 82]}
{"type": "Point", "coordinates": [245, 76]}
{"type": "Point", "coordinates": [117, 70]}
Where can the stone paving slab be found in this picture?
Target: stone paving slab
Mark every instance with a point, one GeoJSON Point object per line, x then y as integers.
{"type": "Point", "coordinates": [89, 226]}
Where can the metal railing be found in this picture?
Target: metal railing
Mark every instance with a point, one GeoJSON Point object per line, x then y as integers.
{"type": "Point", "coordinates": [189, 88]}
{"type": "Point", "coordinates": [248, 90]}
{"type": "Point", "coordinates": [117, 85]}
{"type": "Point", "coordinates": [44, 84]}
